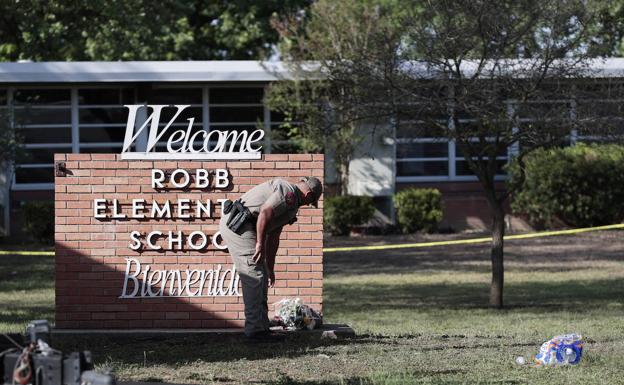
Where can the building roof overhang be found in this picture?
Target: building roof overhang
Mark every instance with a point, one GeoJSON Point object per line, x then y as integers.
{"type": "Point", "coordinates": [208, 71]}
{"type": "Point", "coordinates": [141, 71]}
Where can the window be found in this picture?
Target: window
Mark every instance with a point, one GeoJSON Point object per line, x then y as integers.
{"type": "Point", "coordinates": [238, 109]}
{"type": "Point", "coordinates": [425, 154]}
{"type": "Point", "coordinates": [44, 118]}
{"type": "Point", "coordinates": [92, 119]}
{"type": "Point", "coordinates": [601, 121]}
{"type": "Point", "coordinates": [422, 157]}
{"type": "Point", "coordinates": [102, 118]}
{"type": "Point", "coordinates": [462, 169]}
{"type": "Point", "coordinates": [422, 152]}
{"type": "Point", "coordinates": [236, 106]}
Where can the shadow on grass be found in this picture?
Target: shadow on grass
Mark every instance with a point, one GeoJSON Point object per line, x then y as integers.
{"type": "Point", "coordinates": [533, 296]}
{"type": "Point", "coordinates": [26, 272]}
{"type": "Point", "coordinates": [180, 349]}
{"type": "Point", "coordinates": [20, 314]}
{"type": "Point", "coordinates": [26, 290]}
{"type": "Point", "coordinates": [414, 377]}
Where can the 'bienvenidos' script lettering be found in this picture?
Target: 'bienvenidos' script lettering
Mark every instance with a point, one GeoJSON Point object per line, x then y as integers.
{"type": "Point", "coordinates": [143, 282]}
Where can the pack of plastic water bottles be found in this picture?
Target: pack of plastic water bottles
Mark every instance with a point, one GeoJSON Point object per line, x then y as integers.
{"type": "Point", "coordinates": [561, 350]}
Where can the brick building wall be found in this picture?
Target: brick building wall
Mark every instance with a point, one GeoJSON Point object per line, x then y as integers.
{"type": "Point", "coordinates": [92, 253]}
{"type": "Point", "coordinates": [465, 206]}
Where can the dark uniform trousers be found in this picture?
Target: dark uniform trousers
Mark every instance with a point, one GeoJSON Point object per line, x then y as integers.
{"type": "Point", "coordinates": [283, 198]}
{"type": "Point", "coordinates": [253, 276]}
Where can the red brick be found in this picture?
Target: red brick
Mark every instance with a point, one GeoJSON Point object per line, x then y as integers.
{"type": "Point", "coordinates": [300, 157]}
{"type": "Point", "coordinates": [103, 156]}
{"type": "Point", "coordinates": [299, 267]}
{"type": "Point", "coordinates": [78, 157]}
{"type": "Point", "coordinates": [311, 291]}
{"type": "Point", "coordinates": [287, 165]}
{"type": "Point", "coordinates": [177, 315]}
{"type": "Point", "coordinates": [91, 252]}
{"type": "Point", "coordinates": [104, 173]}
{"type": "Point", "coordinates": [79, 189]}
{"type": "Point", "coordinates": [275, 157]}
{"type": "Point", "coordinates": [262, 165]}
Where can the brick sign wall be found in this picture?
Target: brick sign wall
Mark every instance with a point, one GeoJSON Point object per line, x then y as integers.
{"type": "Point", "coordinates": [125, 258]}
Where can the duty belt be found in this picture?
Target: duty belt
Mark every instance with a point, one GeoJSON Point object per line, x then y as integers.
{"type": "Point", "coordinates": [239, 214]}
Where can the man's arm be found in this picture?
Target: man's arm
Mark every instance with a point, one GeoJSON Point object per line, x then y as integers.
{"type": "Point", "coordinates": [264, 218]}
{"type": "Point", "coordinates": [272, 245]}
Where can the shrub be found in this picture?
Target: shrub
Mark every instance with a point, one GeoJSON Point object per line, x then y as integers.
{"type": "Point", "coordinates": [581, 186]}
{"type": "Point", "coordinates": [418, 209]}
{"type": "Point", "coordinates": [39, 221]}
{"type": "Point", "coordinates": [341, 213]}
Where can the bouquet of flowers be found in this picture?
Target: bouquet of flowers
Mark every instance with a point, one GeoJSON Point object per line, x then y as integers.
{"type": "Point", "coordinates": [293, 314]}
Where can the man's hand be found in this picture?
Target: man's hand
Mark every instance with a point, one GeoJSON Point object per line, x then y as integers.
{"type": "Point", "coordinates": [258, 255]}
{"type": "Point", "coordinates": [271, 278]}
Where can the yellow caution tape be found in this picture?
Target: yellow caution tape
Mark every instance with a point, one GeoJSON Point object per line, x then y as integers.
{"type": "Point", "coordinates": [409, 245]}
{"type": "Point", "coordinates": [474, 240]}
{"type": "Point", "coordinates": [19, 252]}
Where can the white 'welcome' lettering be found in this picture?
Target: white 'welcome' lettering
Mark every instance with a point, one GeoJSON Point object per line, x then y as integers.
{"type": "Point", "coordinates": [214, 144]}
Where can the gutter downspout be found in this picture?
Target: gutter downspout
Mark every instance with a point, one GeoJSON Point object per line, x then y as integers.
{"type": "Point", "coordinates": [6, 199]}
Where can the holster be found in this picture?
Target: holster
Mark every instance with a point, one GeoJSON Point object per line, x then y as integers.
{"type": "Point", "coordinates": [239, 215]}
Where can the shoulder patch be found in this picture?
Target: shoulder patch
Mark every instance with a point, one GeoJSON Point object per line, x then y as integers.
{"type": "Point", "coordinates": [290, 198]}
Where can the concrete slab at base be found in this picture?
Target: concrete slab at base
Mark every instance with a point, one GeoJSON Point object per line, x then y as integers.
{"type": "Point", "coordinates": [339, 330]}
{"type": "Point", "coordinates": [145, 331]}
{"type": "Point", "coordinates": [145, 383]}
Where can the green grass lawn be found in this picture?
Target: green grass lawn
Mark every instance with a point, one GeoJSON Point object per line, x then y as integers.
{"type": "Point", "coordinates": [420, 315]}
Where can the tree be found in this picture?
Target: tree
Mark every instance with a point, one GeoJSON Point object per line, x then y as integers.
{"type": "Point", "coordinates": [139, 30]}
{"type": "Point", "coordinates": [323, 105]}
{"type": "Point", "coordinates": [608, 34]}
{"type": "Point", "coordinates": [11, 148]}
{"type": "Point", "coordinates": [491, 75]}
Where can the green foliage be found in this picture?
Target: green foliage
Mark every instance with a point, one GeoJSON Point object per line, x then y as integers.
{"type": "Point", "coordinates": [582, 185]}
{"type": "Point", "coordinates": [418, 209]}
{"type": "Point", "coordinates": [609, 31]}
{"type": "Point", "coordinates": [330, 107]}
{"type": "Point", "coordinates": [286, 97]}
{"type": "Point", "coordinates": [11, 140]}
{"type": "Point", "coordinates": [341, 213]}
{"type": "Point", "coordinates": [38, 219]}
{"type": "Point", "coordinates": [139, 30]}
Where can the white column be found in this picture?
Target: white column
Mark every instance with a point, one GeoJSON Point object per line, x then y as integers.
{"type": "Point", "coordinates": [452, 161]}
{"type": "Point", "coordinates": [573, 131]}
{"type": "Point", "coordinates": [514, 149]}
{"type": "Point", "coordinates": [75, 121]}
{"type": "Point", "coordinates": [452, 169]}
{"type": "Point", "coordinates": [393, 124]}
{"type": "Point", "coordinates": [267, 127]}
{"type": "Point", "coordinates": [206, 108]}
{"type": "Point", "coordinates": [141, 116]}
{"type": "Point", "coordinates": [8, 176]}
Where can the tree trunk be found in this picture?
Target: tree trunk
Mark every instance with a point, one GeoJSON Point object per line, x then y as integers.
{"type": "Point", "coordinates": [498, 270]}
{"type": "Point", "coordinates": [344, 177]}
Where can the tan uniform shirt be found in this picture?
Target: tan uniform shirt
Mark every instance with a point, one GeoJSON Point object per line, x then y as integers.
{"type": "Point", "coordinates": [281, 195]}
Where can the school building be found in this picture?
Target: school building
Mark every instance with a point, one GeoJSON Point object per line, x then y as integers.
{"type": "Point", "coordinates": [77, 107]}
